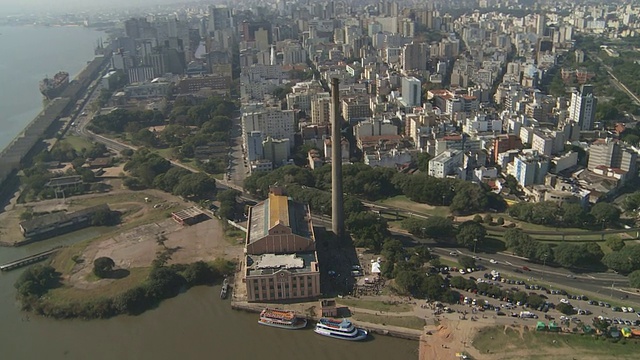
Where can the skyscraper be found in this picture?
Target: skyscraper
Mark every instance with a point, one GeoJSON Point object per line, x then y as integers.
{"type": "Point", "coordinates": [411, 91]}
{"type": "Point", "coordinates": [219, 18]}
{"type": "Point", "coordinates": [583, 107]}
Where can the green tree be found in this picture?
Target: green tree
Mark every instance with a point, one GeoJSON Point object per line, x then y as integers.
{"type": "Point", "coordinates": [634, 279]}
{"type": "Point", "coordinates": [103, 266]}
{"type": "Point", "coordinates": [566, 309]}
{"type": "Point", "coordinates": [423, 161]}
{"type": "Point", "coordinates": [196, 185]}
{"type": "Point", "coordinates": [500, 221]}
{"type": "Point", "coordinates": [478, 218]}
{"type": "Point", "coordinates": [605, 213]}
{"type": "Point", "coordinates": [467, 262]}
{"type": "Point", "coordinates": [625, 260]}
{"type": "Point", "coordinates": [469, 232]}
{"type": "Point", "coordinates": [632, 201]}
{"type": "Point", "coordinates": [614, 242]}
{"type": "Point", "coordinates": [37, 280]}
{"type": "Point", "coordinates": [487, 219]}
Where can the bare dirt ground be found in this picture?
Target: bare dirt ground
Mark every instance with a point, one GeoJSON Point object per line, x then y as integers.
{"type": "Point", "coordinates": [139, 246]}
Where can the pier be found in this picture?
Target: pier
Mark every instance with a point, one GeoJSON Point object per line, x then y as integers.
{"type": "Point", "coordinates": [29, 259]}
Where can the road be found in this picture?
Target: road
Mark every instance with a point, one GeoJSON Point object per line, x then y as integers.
{"type": "Point", "coordinates": [615, 80]}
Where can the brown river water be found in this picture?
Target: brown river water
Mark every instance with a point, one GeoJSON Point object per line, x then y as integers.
{"type": "Point", "coordinates": [194, 325]}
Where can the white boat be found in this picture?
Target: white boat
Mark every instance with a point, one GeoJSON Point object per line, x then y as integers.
{"type": "Point", "coordinates": [282, 319]}
{"type": "Point", "coordinates": [340, 329]}
{"type": "Point", "coordinates": [225, 289]}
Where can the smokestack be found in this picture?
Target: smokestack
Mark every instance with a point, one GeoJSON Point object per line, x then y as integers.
{"type": "Point", "coordinates": [337, 201]}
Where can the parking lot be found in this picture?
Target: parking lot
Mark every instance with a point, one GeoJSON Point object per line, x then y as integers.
{"type": "Point", "coordinates": [487, 292]}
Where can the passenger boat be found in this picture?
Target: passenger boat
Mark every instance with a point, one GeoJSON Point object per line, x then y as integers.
{"type": "Point", "coordinates": [225, 289]}
{"type": "Point", "coordinates": [282, 319]}
{"type": "Point", "coordinates": [340, 329]}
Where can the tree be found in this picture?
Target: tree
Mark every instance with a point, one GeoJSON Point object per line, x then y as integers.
{"type": "Point", "coordinates": [625, 261]}
{"type": "Point", "coordinates": [423, 161]}
{"type": "Point", "coordinates": [477, 218]}
{"type": "Point", "coordinates": [469, 232]}
{"type": "Point", "coordinates": [104, 217]}
{"type": "Point", "coordinates": [103, 266]}
{"type": "Point", "coordinates": [467, 262]}
{"type": "Point", "coordinates": [196, 185]}
{"type": "Point", "coordinates": [500, 221]}
{"type": "Point", "coordinates": [487, 219]}
{"type": "Point", "coordinates": [566, 254]}
{"type": "Point", "coordinates": [566, 309]}
{"type": "Point", "coordinates": [614, 242]}
{"type": "Point", "coordinates": [632, 201]}
{"type": "Point", "coordinates": [605, 213]}
{"type": "Point", "coordinates": [37, 280]}
{"type": "Point", "coordinates": [634, 279]}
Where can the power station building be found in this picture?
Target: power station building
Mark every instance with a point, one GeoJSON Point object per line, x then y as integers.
{"type": "Point", "coordinates": [281, 261]}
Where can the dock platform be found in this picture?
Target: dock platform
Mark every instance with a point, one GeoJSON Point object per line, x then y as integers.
{"type": "Point", "coordinates": [29, 259]}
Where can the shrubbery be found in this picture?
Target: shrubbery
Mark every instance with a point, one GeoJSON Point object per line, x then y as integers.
{"type": "Point", "coordinates": [162, 283]}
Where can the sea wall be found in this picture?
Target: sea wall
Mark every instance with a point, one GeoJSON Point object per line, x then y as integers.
{"type": "Point", "coordinates": [13, 155]}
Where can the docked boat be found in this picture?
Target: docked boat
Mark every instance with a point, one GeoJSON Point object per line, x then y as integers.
{"type": "Point", "coordinates": [282, 319]}
{"type": "Point", "coordinates": [53, 87]}
{"type": "Point", "coordinates": [225, 289]}
{"type": "Point", "coordinates": [340, 329]}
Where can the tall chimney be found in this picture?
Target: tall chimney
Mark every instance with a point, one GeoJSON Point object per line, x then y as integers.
{"type": "Point", "coordinates": [337, 212]}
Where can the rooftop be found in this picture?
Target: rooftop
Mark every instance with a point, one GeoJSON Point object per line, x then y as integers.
{"type": "Point", "coordinates": [278, 209]}
{"type": "Point", "coordinates": [268, 264]}
{"type": "Point", "coordinates": [59, 218]}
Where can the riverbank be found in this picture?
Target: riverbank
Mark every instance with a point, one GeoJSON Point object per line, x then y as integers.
{"type": "Point", "coordinates": [393, 331]}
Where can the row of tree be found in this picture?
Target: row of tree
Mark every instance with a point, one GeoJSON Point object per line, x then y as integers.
{"type": "Point", "coordinates": [566, 215]}
{"type": "Point", "coordinates": [363, 181]}
{"type": "Point", "coordinates": [150, 170]}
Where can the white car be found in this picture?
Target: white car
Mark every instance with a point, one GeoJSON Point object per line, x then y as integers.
{"type": "Point", "coordinates": [564, 301]}
{"type": "Point", "coordinates": [462, 271]}
{"type": "Point", "coordinates": [624, 309]}
{"type": "Point", "coordinates": [493, 261]}
{"type": "Point", "coordinates": [630, 309]}
{"type": "Point", "coordinates": [453, 253]}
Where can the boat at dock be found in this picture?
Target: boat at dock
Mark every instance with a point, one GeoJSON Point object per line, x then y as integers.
{"type": "Point", "coordinates": [53, 87]}
{"type": "Point", "coordinates": [225, 289]}
{"type": "Point", "coordinates": [282, 319]}
{"type": "Point", "coordinates": [344, 329]}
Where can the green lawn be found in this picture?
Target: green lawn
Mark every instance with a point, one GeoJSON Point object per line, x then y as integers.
{"type": "Point", "coordinates": [508, 343]}
{"type": "Point", "coordinates": [409, 322]}
{"type": "Point", "coordinates": [374, 305]}
{"type": "Point", "coordinates": [77, 143]}
{"type": "Point", "coordinates": [403, 202]}
{"type": "Point", "coordinates": [68, 295]}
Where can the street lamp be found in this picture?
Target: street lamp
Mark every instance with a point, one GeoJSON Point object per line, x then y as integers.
{"type": "Point", "coordinates": [544, 262]}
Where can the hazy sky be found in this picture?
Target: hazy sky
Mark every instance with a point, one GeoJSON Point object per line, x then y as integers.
{"type": "Point", "coordinates": [21, 6]}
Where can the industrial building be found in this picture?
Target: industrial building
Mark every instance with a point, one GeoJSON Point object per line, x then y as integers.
{"type": "Point", "coordinates": [281, 259]}
{"type": "Point", "coordinates": [58, 223]}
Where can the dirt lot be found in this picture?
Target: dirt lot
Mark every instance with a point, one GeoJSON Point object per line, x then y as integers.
{"type": "Point", "coordinates": [139, 246]}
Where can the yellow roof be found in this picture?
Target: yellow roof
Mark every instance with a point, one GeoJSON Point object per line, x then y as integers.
{"type": "Point", "coordinates": [278, 210]}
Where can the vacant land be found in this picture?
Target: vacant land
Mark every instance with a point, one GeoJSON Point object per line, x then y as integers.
{"type": "Point", "coordinates": [504, 342]}
{"type": "Point", "coordinates": [403, 202]}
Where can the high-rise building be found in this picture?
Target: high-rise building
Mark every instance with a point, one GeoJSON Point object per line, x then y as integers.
{"type": "Point", "coordinates": [255, 150]}
{"type": "Point", "coordinates": [271, 122]}
{"type": "Point", "coordinates": [411, 91]}
{"type": "Point", "coordinates": [220, 18]}
{"type": "Point", "coordinates": [612, 154]}
{"type": "Point", "coordinates": [529, 168]}
{"type": "Point", "coordinates": [414, 56]}
{"type": "Point", "coordinates": [583, 107]}
{"type": "Point", "coordinates": [540, 24]}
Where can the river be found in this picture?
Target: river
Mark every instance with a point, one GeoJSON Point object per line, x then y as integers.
{"type": "Point", "coordinates": [28, 54]}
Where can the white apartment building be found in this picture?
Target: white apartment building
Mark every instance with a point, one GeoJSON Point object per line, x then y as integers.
{"type": "Point", "coordinates": [529, 168]}
{"type": "Point", "coordinates": [583, 107]}
{"type": "Point", "coordinates": [446, 163]}
{"type": "Point", "coordinates": [480, 124]}
{"type": "Point", "coordinates": [542, 143]}
{"type": "Point", "coordinates": [271, 122]}
{"type": "Point", "coordinates": [411, 91]}
{"type": "Point", "coordinates": [375, 127]}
